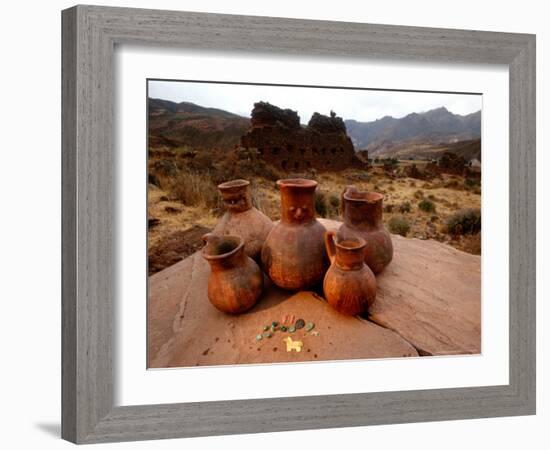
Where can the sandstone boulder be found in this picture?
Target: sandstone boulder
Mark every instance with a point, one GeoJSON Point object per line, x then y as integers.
{"type": "Point", "coordinates": [428, 300]}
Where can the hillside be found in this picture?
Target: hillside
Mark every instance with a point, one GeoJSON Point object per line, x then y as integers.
{"type": "Point", "coordinates": [187, 125]}
{"type": "Point", "coordinates": [425, 135]}
{"type": "Point", "coordinates": [421, 149]}
{"type": "Point", "coordinates": [437, 126]}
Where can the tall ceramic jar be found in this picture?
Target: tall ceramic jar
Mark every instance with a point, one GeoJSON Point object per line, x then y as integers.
{"type": "Point", "coordinates": [362, 214]}
{"type": "Point", "coordinates": [294, 254]}
{"type": "Point", "coordinates": [349, 285]}
{"type": "Point", "coordinates": [241, 218]}
{"type": "Point", "coordinates": [235, 282]}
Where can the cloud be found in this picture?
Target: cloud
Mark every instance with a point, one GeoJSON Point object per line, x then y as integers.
{"type": "Point", "coordinates": [361, 105]}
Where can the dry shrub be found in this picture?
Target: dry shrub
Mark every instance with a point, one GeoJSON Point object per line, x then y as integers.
{"type": "Point", "coordinates": [472, 183]}
{"type": "Point", "coordinates": [472, 244]}
{"type": "Point", "coordinates": [399, 225]}
{"type": "Point", "coordinates": [194, 189]}
{"type": "Point", "coordinates": [465, 221]}
{"type": "Point", "coordinates": [419, 194]}
{"type": "Point", "coordinates": [244, 163]}
{"type": "Point", "coordinates": [405, 207]}
{"type": "Point", "coordinates": [261, 201]}
{"type": "Point", "coordinates": [358, 176]}
{"type": "Point", "coordinates": [427, 205]}
{"type": "Point", "coordinates": [453, 184]}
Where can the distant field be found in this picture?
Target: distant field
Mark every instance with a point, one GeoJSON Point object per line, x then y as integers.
{"type": "Point", "coordinates": [187, 200]}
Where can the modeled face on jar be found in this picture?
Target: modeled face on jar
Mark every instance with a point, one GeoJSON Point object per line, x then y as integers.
{"type": "Point", "coordinates": [235, 201]}
{"type": "Point", "coordinates": [297, 199]}
{"type": "Point", "coordinates": [299, 208]}
{"type": "Point", "coordinates": [235, 195]}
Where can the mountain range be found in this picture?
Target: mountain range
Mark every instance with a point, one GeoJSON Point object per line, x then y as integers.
{"type": "Point", "coordinates": [189, 125]}
{"type": "Point", "coordinates": [435, 126]}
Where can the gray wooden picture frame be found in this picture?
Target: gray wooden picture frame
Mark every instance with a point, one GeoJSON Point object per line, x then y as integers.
{"type": "Point", "coordinates": [89, 37]}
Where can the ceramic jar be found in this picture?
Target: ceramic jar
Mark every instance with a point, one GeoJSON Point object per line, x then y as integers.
{"type": "Point", "coordinates": [241, 218]}
{"type": "Point", "coordinates": [349, 284]}
{"type": "Point", "coordinates": [362, 214]}
{"type": "Point", "coordinates": [235, 282]}
{"type": "Point", "coordinates": [293, 254]}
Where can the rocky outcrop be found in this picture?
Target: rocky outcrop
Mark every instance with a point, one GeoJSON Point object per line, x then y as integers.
{"type": "Point", "coordinates": [265, 114]}
{"type": "Point", "coordinates": [452, 164]}
{"type": "Point", "coordinates": [276, 134]}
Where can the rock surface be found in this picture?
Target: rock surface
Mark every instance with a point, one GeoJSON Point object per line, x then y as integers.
{"type": "Point", "coordinates": [428, 298]}
{"type": "Point", "coordinates": [279, 139]}
{"type": "Point", "coordinates": [431, 295]}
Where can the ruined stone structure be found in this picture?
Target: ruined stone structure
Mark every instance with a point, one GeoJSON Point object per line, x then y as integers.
{"type": "Point", "coordinates": [281, 141]}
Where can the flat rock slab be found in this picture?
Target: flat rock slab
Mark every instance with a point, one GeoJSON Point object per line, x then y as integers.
{"type": "Point", "coordinates": [184, 329]}
{"type": "Point", "coordinates": [431, 295]}
{"type": "Point", "coordinates": [428, 300]}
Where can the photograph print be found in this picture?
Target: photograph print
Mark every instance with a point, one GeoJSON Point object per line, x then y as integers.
{"type": "Point", "coordinates": [292, 224]}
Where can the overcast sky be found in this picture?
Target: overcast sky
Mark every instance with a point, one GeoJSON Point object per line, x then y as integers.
{"type": "Point", "coordinates": [361, 105]}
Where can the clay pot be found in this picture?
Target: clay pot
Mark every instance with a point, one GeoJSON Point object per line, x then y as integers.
{"type": "Point", "coordinates": [235, 282]}
{"type": "Point", "coordinates": [241, 218]}
{"type": "Point", "coordinates": [349, 285]}
{"type": "Point", "coordinates": [293, 254]}
{"type": "Point", "coordinates": [362, 214]}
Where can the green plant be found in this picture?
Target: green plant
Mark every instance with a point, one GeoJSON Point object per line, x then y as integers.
{"type": "Point", "coordinates": [465, 221]}
{"type": "Point", "coordinates": [427, 205]}
{"type": "Point", "coordinates": [321, 207]}
{"type": "Point", "coordinates": [334, 201]}
{"type": "Point", "coordinates": [405, 207]}
{"type": "Point", "coordinates": [399, 225]}
{"type": "Point", "coordinates": [388, 208]}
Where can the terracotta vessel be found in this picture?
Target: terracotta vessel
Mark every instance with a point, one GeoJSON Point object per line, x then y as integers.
{"type": "Point", "coordinates": [241, 218]}
{"type": "Point", "coordinates": [349, 285]}
{"type": "Point", "coordinates": [362, 214]}
{"type": "Point", "coordinates": [293, 254]}
{"type": "Point", "coordinates": [236, 282]}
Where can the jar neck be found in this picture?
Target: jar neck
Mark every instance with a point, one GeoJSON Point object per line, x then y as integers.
{"type": "Point", "coordinates": [237, 201]}
{"type": "Point", "coordinates": [350, 259]}
{"type": "Point", "coordinates": [228, 262]}
{"type": "Point", "coordinates": [363, 214]}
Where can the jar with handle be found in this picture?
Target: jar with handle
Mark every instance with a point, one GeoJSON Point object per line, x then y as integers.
{"type": "Point", "coordinates": [235, 282]}
{"type": "Point", "coordinates": [349, 285]}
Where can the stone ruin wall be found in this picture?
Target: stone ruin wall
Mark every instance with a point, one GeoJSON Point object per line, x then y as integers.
{"type": "Point", "coordinates": [281, 141]}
